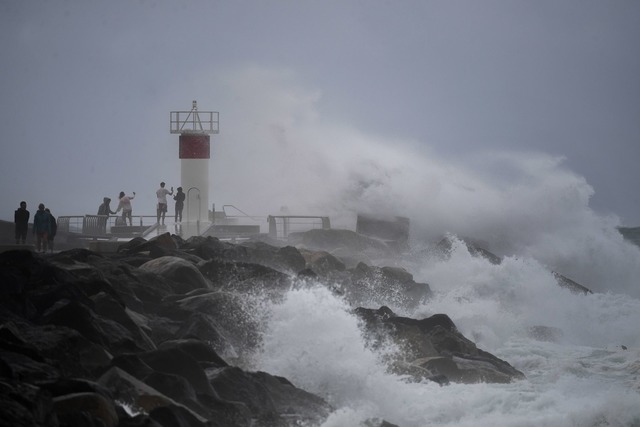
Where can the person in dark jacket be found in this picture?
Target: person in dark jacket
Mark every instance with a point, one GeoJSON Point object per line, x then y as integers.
{"type": "Point", "coordinates": [41, 228]}
{"type": "Point", "coordinates": [179, 198]}
{"type": "Point", "coordinates": [53, 228]}
{"type": "Point", "coordinates": [21, 219]}
{"type": "Point", "coordinates": [104, 208]}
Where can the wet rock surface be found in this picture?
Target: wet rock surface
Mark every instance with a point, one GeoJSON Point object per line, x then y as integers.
{"type": "Point", "coordinates": [157, 333]}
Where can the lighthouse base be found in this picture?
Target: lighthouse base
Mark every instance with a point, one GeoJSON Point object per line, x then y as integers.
{"type": "Point", "coordinates": [195, 184]}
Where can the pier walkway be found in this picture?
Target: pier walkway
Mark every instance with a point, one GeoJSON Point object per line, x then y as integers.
{"type": "Point", "coordinates": [104, 233]}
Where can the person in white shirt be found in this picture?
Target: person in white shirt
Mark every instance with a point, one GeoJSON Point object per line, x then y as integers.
{"type": "Point", "coordinates": [125, 206]}
{"type": "Point", "coordinates": [162, 194]}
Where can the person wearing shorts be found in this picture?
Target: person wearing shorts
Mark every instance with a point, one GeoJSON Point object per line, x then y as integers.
{"type": "Point", "coordinates": [162, 194]}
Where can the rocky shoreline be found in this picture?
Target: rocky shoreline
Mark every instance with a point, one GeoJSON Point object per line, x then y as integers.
{"type": "Point", "coordinates": [160, 333]}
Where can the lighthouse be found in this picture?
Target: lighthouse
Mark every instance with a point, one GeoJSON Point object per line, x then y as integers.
{"type": "Point", "coordinates": [194, 151]}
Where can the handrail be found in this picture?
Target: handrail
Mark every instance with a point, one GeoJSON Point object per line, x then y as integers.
{"type": "Point", "coordinates": [241, 211]}
{"type": "Point", "coordinates": [287, 223]}
{"type": "Point", "coordinates": [73, 224]}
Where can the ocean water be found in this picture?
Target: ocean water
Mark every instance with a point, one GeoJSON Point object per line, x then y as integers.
{"type": "Point", "coordinates": [528, 208]}
{"type": "Point", "coordinates": [589, 375]}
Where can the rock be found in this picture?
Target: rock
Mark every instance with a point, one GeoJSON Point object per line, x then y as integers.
{"type": "Point", "coordinates": [25, 405]}
{"type": "Point", "coordinates": [67, 386]}
{"type": "Point", "coordinates": [27, 369]}
{"type": "Point", "coordinates": [63, 350]}
{"type": "Point", "coordinates": [209, 248]}
{"type": "Point", "coordinates": [85, 406]}
{"type": "Point", "coordinates": [291, 402]}
{"type": "Point", "coordinates": [246, 278]}
{"type": "Point", "coordinates": [137, 420]}
{"type": "Point", "coordinates": [158, 246]}
{"type": "Point", "coordinates": [573, 286]}
{"type": "Point", "coordinates": [185, 276]}
{"type": "Point", "coordinates": [131, 284]}
{"type": "Point", "coordinates": [109, 308]}
{"type": "Point", "coordinates": [375, 286]}
{"type": "Point", "coordinates": [376, 422]}
{"type": "Point", "coordinates": [174, 386]}
{"type": "Point", "coordinates": [97, 329]}
{"type": "Point", "coordinates": [177, 416]}
{"type": "Point", "coordinates": [177, 362]}
{"type": "Point", "coordinates": [231, 318]}
{"type": "Point", "coordinates": [286, 259]}
{"type": "Point", "coordinates": [205, 328]}
{"type": "Point", "coordinates": [161, 323]}
{"type": "Point", "coordinates": [436, 347]}
{"type": "Point", "coordinates": [197, 349]}
{"type": "Point", "coordinates": [135, 393]}
{"type": "Point", "coordinates": [131, 364]}
{"type": "Point", "coordinates": [322, 262]}
{"type": "Point", "coordinates": [445, 245]}
{"type": "Point", "coordinates": [270, 399]}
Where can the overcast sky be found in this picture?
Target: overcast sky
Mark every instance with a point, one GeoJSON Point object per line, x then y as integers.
{"type": "Point", "coordinates": [317, 96]}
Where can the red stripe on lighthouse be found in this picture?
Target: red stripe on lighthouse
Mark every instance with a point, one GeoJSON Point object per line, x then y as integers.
{"type": "Point", "coordinates": [195, 146]}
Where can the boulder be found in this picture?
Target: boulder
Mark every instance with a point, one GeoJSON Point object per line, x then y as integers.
{"type": "Point", "coordinates": [135, 393]}
{"type": "Point", "coordinates": [109, 308]}
{"type": "Point", "coordinates": [208, 248]}
{"type": "Point", "coordinates": [270, 399]}
{"type": "Point", "coordinates": [286, 259]}
{"type": "Point", "coordinates": [64, 351]}
{"type": "Point", "coordinates": [322, 262]}
{"type": "Point", "coordinates": [573, 286]}
{"type": "Point", "coordinates": [197, 349]}
{"type": "Point", "coordinates": [178, 416]}
{"type": "Point", "coordinates": [100, 330]}
{"type": "Point", "coordinates": [246, 278]}
{"type": "Point", "coordinates": [78, 408]}
{"type": "Point", "coordinates": [376, 286]}
{"type": "Point", "coordinates": [25, 405]}
{"type": "Point", "coordinates": [436, 347]}
{"type": "Point", "coordinates": [174, 361]}
{"type": "Point", "coordinates": [184, 274]}
{"type": "Point", "coordinates": [444, 247]}
{"type": "Point", "coordinates": [230, 318]}
{"type": "Point", "coordinates": [158, 246]}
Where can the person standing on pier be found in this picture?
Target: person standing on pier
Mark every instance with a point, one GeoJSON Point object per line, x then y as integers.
{"type": "Point", "coordinates": [162, 194]}
{"type": "Point", "coordinates": [53, 228]}
{"type": "Point", "coordinates": [125, 206]}
{"type": "Point", "coordinates": [179, 198]}
{"type": "Point", "coordinates": [21, 219]}
{"type": "Point", "coordinates": [41, 228]}
{"type": "Point", "coordinates": [104, 208]}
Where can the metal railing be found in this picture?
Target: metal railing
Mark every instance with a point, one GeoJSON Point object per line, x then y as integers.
{"type": "Point", "coordinates": [281, 226]}
{"type": "Point", "coordinates": [102, 226]}
{"type": "Point", "coordinates": [110, 227]}
{"type": "Point", "coordinates": [244, 214]}
{"type": "Point", "coordinates": [194, 121]}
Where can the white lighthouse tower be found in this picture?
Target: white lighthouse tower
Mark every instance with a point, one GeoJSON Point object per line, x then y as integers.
{"type": "Point", "coordinates": [194, 128]}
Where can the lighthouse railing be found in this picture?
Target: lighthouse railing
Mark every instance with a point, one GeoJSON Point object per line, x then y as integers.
{"type": "Point", "coordinates": [194, 122]}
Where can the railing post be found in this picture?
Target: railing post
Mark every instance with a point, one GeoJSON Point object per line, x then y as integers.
{"type": "Point", "coordinates": [273, 230]}
{"type": "Point", "coordinates": [326, 224]}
